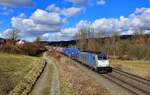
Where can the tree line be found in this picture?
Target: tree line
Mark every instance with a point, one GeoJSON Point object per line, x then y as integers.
{"type": "Point", "coordinates": [136, 47]}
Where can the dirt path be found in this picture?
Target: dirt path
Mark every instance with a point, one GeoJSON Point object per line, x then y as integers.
{"type": "Point", "coordinates": [55, 90]}
{"type": "Point", "coordinates": [40, 85]}
{"type": "Point", "coordinates": [43, 80]}
{"type": "Point", "coordinates": [55, 85]}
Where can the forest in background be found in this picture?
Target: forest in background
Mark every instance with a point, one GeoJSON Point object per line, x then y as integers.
{"type": "Point", "coordinates": [133, 47]}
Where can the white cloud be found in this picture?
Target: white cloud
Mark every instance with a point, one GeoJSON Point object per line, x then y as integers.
{"type": "Point", "coordinates": [6, 31]}
{"type": "Point", "coordinates": [69, 31]}
{"type": "Point", "coordinates": [147, 31]}
{"type": "Point", "coordinates": [82, 24]}
{"type": "Point", "coordinates": [140, 19]}
{"type": "Point", "coordinates": [124, 26]}
{"type": "Point", "coordinates": [7, 6]}
{"type": "Point", "coordinates": [16, 3]}
{"type": "Point", "coordinates": [128, 32]}
{"type": "Point", "coordinates": [38, 23]}
{"type": "Point", "coordinates": [53, 8]}
{"type": "Point", "coordinates": [0, 34]}
{"type": "Point", "coordinates": [104, 25]}
{"type": "Point", "coordinates": [139, 10]}
{"type": "Point", "coordinates": [5, 11]}
{"type": "Point", "coordinates": [80, 3]}
{"type": "Point", "coordinates": [53, 37]}
{"type": "Point", "coordinates": [49, 24]}
{"type": "Point", "coordinates": [68, 12]}
{"type": "Point", "coordinates": [44, 17]}
{"type": "Point", "coordinates": [22, 15]}
{"type": "Point", "coordinates": [42, 22]}
{"type": "Point", "coordinates": [84, 3]}
{"type": "Point", "coordinates": [65, 34]}
{"type": "Point", "coordinates": [28, 27]}
{"type": "Point", "coordinates": [101, 2]}
{"type": "Point", "coordinates": [72, 11]}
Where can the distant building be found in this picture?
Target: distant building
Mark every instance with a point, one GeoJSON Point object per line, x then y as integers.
{"type": "Point", "coordinates": [20, 42]}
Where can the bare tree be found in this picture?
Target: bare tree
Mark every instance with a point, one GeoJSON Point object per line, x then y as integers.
{"type": "Point", "coordinates": [139, 37]}
{"type": "Point", "coordinates": [81, 40]}
{"type": "Point", "coordinates": [115, 42]}
{"type": "Point", "coordinates": [86, 39]}
{"type": "Point", "coordinates": [12, 34]}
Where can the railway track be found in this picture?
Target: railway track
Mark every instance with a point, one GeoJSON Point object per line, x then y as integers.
{"type": "Point", "coordinates": [133, 83]}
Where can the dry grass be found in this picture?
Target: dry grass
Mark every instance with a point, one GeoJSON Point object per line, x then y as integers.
{"type": "Point", "coordinates": [137, 67]}
{"type": "Point", "coordinates": [74, 81]}
{"type": "Point", "coordinates": [25, 85]}
{"type": "Point", "coordinates": [13, 68]}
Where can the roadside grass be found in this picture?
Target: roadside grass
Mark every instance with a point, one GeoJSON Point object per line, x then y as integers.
{"type": "Point", "coordinates": [46, 90]}
{"type": "Point", "coordinates": [73, 81]}
{"type": "Point", "coordinates": [65, 88]}
{"type": "Point", "coordinates": [137, 67]}
{"type": "Point", "coordinates": [13, 68]}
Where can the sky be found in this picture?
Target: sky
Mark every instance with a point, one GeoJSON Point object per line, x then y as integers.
{"type": "Point", "coordinates": [55, 20]}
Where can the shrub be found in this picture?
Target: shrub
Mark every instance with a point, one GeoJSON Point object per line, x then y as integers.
{"type": "Point", "coordinates": [32, 49]}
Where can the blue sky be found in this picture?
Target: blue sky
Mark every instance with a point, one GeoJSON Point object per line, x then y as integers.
{"type": "Point", "coordinates": [61, 19]}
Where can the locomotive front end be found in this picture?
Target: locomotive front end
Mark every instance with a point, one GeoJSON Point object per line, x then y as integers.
{"type": "Point", "coordinates": [102, 63]}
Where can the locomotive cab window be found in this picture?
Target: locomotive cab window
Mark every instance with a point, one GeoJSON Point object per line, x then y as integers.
{"type": "Point", "coordinates": [102, 57]}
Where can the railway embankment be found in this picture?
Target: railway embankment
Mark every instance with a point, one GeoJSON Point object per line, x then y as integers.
{"type": "Point", "coordinates": [74, 81]}
{"type": "Point", "coordinates": [25, 86]}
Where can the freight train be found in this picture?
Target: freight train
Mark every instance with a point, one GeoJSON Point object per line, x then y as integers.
{"type": "Point", "coordinates": [95, 60]}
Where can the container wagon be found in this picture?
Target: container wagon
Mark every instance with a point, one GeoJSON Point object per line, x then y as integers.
{"type": "Point", "coordinates": [71, 52]}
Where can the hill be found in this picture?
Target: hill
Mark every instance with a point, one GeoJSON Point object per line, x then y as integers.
{"type": "Point", "coordinates": [74, 42]}
{"type": "Point", "coordinates": [59, 43]}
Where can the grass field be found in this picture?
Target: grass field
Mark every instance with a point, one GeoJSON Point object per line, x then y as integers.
{"type": "Point", "coordinates": [12, 69]}
{"type": "Point", "coordinates": [137, 67]}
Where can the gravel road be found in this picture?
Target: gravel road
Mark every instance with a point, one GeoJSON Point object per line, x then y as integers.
{"type": "Point", "coordinates": [42, 81]}
{"type": "Point", "coordinates": [55, 90]}
{"type": "Point", "coordinates": [40, 84]}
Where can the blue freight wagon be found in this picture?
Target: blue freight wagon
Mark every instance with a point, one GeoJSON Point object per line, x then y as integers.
{"type": "Point", "coordinates": [71, 52]}
{"type": "Point", "coordinates": [87, 58]}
